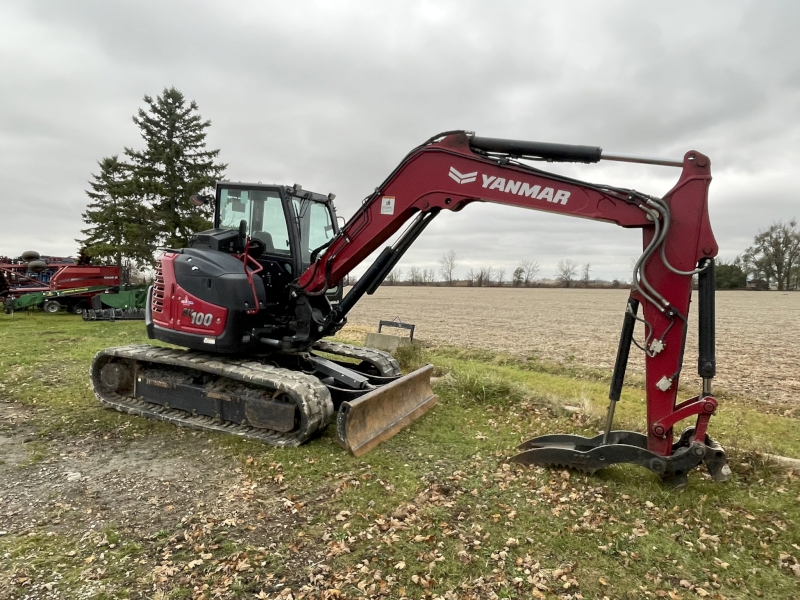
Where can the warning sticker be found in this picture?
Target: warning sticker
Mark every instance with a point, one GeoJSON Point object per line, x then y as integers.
{"type": "Point", "coordinates": [387, 205]}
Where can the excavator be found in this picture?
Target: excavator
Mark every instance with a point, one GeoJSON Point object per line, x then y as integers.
{"type": "Point", "coordinates": [252, 301]}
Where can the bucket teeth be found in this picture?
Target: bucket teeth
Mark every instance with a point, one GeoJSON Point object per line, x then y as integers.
{"type": "Point", "coordinates": [555, 458]}
{"type": "Point", "coordinates": [590, 455]}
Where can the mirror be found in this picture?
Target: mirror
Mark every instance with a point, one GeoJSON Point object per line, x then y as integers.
{"type": "Point", "coordinates": [200, 200]}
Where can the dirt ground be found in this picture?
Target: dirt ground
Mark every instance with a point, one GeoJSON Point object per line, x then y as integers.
{"type": "Point", "coordinates": [758, 354]}
{"type": "Point", "coordinates": [134, 503]}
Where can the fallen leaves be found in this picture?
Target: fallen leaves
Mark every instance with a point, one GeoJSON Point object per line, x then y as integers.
{"type": "Point", "coordinates": [790, 563]}
{"type": "Point", "coordinates": [243, 565]}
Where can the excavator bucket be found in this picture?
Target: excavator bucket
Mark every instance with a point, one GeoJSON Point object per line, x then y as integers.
{"type": "Point", "coordinates": [377, 416]}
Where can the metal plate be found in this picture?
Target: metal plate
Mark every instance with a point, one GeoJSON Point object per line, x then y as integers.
{"type": "Point", "coordinates": [377, 416]}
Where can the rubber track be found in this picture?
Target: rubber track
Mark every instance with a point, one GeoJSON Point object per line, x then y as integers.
{"type": "Point", "coordinates": [311, 396]}
{"type": "Point", "coordinates": [383, 361]}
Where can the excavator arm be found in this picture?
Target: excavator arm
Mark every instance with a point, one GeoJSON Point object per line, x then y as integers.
{"type": "Point", "coordinates": [455, 169]}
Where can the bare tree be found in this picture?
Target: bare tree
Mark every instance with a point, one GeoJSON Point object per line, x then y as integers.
{"type": "Point", "coordinates": [394, 277]}
{"type": "Point", "coordinates": [428, 276]}
{"type": "Point", "coordinates": [529, 269]}
{"type": "Point", "coordinates": [585, 276]}
{"type": "Point", "coordinates": [414, 276]}
{"type": "Point", "coordinates": [484, 276]}
{"type": "Point", "coordinates": [518, 277]}
{"type": "Point", "coordinates": [775, 253]}
{"type": "Point", "coordinates": [448, 266]}
{"type": "Point", "coordinates": [471, 277]}
{"type": "Point", "coordinates": [566, 271]}
{"type": "Point", "coordinates": [500, 276]}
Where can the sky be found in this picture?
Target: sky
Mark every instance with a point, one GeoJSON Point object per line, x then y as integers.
{"type": "Point", "coordinates": [332, 95]}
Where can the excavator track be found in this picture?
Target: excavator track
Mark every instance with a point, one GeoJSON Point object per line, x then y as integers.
{"type": "Point", "coordinates": [383, 362]}
{"type": "Point", "coordinates": [117, 372]}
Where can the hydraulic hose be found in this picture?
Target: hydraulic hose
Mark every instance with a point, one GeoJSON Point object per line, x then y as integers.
{"type": "Point", "coordinates": [667, 264]}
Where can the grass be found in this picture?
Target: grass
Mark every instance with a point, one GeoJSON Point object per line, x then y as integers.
{"type": "Point", "coordinates": [435, 511]}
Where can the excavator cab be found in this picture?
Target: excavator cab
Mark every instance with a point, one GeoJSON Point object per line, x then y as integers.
{"type": "Point", "coordinates": [239, 275]}
{"type": "Point", "coordinates": [286, 224]}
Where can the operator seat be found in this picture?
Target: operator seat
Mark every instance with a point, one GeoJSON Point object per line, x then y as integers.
{"type": "Point", "coordinates": [266, 238]}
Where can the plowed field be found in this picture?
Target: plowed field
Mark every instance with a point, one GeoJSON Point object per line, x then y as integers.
{"type": "Point", "coordinates": [758, 333]}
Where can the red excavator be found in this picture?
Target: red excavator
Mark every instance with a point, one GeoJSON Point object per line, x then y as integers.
{"type": "Point", "coordinates": [254, 298]}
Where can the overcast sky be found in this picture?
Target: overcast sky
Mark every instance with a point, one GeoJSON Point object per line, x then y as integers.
{"type": "Point", "coordinates": [332, 95]}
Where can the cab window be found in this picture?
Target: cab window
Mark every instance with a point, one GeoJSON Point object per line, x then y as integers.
{"type": "Point", "coordinates": [316, 226]}
{"type": "Point", "coordinates": [263, 211]}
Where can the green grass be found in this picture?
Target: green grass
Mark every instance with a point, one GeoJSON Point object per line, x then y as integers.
{"type": "Point", "coordinates": [436, 510]}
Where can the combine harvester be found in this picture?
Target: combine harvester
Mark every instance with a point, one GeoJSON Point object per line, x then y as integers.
{"type": "Point", "coordinates": [52, 283]}
{"type": "Point", "coordinates": [250, 299]}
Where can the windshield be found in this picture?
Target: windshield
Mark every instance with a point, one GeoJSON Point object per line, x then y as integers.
{"type": "Point", "coordinates": [316, 226]}
{"type": "Point", "coordinates": [263, 211]}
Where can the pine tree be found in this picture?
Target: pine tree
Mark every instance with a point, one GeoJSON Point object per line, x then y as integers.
{"type": "Point", "coordinates": [173, 166]}
{"type": "Point", "coordinates": [119, 224]}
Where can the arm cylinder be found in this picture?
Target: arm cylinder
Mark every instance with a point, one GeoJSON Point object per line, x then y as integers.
{"type": "Point", "coordinates": [544, 150]}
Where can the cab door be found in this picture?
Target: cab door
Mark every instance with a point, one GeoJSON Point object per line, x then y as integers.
{"type": "Point", "coordinates": [317, 225]}
{"type": "Point", "coordinates": [267, 211]}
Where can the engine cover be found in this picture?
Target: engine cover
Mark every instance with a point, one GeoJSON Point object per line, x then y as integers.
{"type": "Point", "coordinates": [217, 278]}
{"type": "Point", "coordinates": [201, 300]}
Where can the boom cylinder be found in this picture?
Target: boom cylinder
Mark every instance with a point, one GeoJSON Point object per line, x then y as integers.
{"type": "Point", "coordinates": [387, 259]}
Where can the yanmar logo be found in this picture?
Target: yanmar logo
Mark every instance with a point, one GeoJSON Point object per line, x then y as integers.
{"type": "Point", "coordinates": [462, 177]}
{"type": "Point", "coordinates": [509, 186]}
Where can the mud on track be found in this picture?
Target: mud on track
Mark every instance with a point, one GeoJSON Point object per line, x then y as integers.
{"type": "Point", "coordinates": [758, 333]}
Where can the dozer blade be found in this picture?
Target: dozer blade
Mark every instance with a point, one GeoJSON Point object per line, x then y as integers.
{"type": "Point", "coordinates": [377, 416]}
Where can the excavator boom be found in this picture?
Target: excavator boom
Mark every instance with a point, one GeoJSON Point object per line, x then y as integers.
{"type": "Point", "coordinates": [453, 170]}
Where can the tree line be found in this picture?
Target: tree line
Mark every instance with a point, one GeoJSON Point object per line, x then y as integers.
{"type": "Point", "coordinates": [141, 200]}
{"type": "Point", "coordinates": [487, 276]}
{"type": "Point", "coordinates": [772, 260]}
